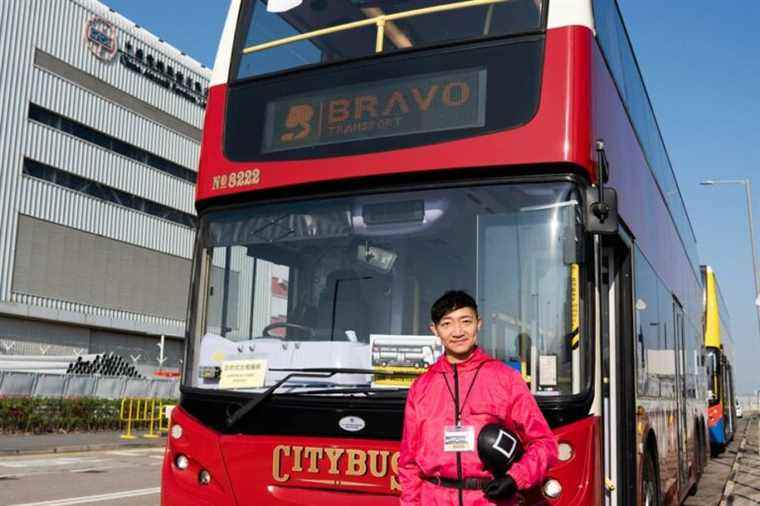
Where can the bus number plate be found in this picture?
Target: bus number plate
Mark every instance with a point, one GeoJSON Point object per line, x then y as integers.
{"type": "Point", "coordinates": [237, 179]}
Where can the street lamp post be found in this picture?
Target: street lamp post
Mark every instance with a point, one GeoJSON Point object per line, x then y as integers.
{"type": "Point", "coordinates": [748, 190]}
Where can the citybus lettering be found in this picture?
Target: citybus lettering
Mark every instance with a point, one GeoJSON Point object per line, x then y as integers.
{"type": "Point", "coordinates": [288, 461]}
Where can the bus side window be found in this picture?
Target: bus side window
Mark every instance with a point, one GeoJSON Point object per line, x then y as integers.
{"type": "Point", "coordinates": [648, 330]}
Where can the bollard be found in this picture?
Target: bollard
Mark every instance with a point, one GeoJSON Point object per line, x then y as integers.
{"type": "Point", "coordinates": [128, 434]}
{"type": "Point", "coordinates": [151, 434]}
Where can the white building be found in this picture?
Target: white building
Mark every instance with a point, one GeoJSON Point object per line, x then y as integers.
{"type": "Point", "coordinates": [100, 127]}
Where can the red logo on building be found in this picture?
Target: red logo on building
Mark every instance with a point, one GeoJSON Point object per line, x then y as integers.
{"type": "Point", "coordinates": [100, 37]}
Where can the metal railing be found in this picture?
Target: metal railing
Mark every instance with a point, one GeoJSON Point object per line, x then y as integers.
{"type": "Point", "coordinates": [148, 414]}
{"type": "Point", "coordinates": [379, 21]}
{"type": "Point", "coordinates": [20, 384]}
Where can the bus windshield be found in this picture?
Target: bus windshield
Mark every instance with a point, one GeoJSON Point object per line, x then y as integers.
{"type": "Point", "coordinates": [277, 35]}
{"type": "Point", "coordinates": [348, 283]}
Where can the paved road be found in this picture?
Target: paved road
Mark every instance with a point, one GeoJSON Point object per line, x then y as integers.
{"type": "Point", "coordinates": [743, 487]}
{"type": "Point", "coordinates": [131, 476]}
{"type": "Point", "coordinates": [17, 444]}
{"type": "Point", "coordinates": [710, 490]}
{"type": "Point", "coordinates": [128, 477]}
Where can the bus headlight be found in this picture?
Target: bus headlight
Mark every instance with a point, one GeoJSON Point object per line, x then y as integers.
{"type": "Point", "coordinates": [204, 477]}
{"type": "Point", "coordinates": [552, 489]}
{"type": "Point", "coordinates": [176, 431]}
{"type": "Point", "coordinates": [565, 452]}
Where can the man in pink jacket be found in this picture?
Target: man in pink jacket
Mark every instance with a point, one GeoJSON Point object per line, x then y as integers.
{"type": "Point", "coordinates": [446, 409]}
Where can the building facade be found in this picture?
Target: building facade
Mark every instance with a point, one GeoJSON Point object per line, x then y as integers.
{"type": "Point", "coordinates": [100, 129]}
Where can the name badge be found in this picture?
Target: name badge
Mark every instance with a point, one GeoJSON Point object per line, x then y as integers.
{"type": "Point", "coordinates": [457, 438]}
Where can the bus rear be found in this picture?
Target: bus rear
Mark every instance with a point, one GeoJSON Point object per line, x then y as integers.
{"type": "Point", "coordinates": [360, 158]}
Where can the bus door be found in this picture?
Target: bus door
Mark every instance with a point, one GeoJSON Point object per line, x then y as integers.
{"type": "Point", "coordinates": [618, 387]}
{"type": "Point", "coordinates": [681, 399]}
{"type": "Point", "coordinates": [728, 398]}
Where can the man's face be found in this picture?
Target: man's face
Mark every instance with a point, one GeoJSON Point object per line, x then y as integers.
{"type": "Point", "coordinates": [458, 332]}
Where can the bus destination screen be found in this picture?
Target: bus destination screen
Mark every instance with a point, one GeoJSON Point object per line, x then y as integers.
{"type": "Point", "coordinates": [412, 105]}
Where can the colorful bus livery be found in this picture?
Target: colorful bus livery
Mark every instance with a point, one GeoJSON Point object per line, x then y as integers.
{"type": "Point", "coordinates": [719, 351]}
{"type": "Point", "coordinates": [371, 155]}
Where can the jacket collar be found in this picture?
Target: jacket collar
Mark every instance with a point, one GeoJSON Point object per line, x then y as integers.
{"type": "Point", "coordinates": [477, 358]}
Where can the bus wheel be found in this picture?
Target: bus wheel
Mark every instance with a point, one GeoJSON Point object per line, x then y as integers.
{"type": "Point", "coordinates": [651, 481]}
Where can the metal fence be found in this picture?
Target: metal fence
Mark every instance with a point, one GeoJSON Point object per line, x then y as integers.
{"type": "Point", "coordinates": [63, 385]}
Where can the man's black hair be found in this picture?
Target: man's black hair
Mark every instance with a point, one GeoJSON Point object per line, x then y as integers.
{"type": "Point", "coordinates": [451, 301]}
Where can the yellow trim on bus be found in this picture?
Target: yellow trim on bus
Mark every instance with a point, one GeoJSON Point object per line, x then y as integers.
{"type": "Point", "coordinates": [575, 304]}
{"type": "Point", "coordinates": [712, 315]}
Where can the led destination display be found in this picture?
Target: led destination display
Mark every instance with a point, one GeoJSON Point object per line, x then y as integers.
{"type": "Point", "coordinates": [420, 104]}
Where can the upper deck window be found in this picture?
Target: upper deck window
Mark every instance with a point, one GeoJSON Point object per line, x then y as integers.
{"type": "Point", "coordinates": [275, 40]}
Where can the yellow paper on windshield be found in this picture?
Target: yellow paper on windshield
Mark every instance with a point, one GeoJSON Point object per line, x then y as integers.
{"type": "Point", "coordinates": [243, 373]}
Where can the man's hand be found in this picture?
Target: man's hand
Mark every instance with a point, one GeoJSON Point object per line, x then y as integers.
{"type": "Point", "coordinates": [500, 488]}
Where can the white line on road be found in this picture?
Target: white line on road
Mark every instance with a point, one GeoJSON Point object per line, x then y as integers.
{"type": "Point", "coordinates": [92, 469]}
{"type": "Point", "coordinates": [63, 461]}
{"type": "Point", "coordinates": [94, 498]}
{"type": "Point", "coordinates": [136, 452]}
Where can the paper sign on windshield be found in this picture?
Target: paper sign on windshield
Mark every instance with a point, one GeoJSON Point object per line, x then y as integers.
{"type": "Point", "coordinates": [405, 356]}
{"type": "Point", "coordinates": [243, 374]}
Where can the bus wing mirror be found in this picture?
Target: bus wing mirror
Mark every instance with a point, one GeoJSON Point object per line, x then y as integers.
{"type": "Point", "coordinates": [601, 202]}
{"type": "Point", "coordinates": [601, 211]}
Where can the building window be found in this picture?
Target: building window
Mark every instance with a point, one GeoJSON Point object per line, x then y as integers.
{"type": "Point", "coordinates": [105, 193]}
{"type": "Point", "coordinates": [64, 124]}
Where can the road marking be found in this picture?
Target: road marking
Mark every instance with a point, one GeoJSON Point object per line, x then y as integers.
{"type": "Point", "coordinates": [94, 498]}
{"type": "Point", "coordinates": [137, 452]}
{"type": "Point", "coordinates": [61, 461]}
{"type": "Point", "coordinates": [91, 469]}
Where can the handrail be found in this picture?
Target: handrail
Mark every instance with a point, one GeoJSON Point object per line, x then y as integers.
{"type": "Point", "coordinates": [379, 21]}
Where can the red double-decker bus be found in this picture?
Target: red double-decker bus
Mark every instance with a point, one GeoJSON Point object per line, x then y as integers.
{"type": "Point", "coordinates": [359, 158]}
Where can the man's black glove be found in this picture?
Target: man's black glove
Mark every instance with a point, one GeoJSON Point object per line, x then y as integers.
{"type": "Point", "coordinates": [500, 488]}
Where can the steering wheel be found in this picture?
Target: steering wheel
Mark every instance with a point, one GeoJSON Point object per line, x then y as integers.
{"type": "Point", "coordinates": [286, 325]}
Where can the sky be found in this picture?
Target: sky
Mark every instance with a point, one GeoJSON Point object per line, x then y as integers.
{"type": "Point", "coordinates": [701, 69]}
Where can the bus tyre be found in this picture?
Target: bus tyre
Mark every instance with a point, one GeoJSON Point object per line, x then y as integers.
{"type": "Point", "coordinates": [651, 481]}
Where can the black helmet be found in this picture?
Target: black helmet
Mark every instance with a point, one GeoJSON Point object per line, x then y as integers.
{"type": "Point", "coordinates": [498, 448]}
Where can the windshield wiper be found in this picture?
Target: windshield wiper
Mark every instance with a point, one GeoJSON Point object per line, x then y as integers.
{"type": "Point", "coordinates": [314, 372]}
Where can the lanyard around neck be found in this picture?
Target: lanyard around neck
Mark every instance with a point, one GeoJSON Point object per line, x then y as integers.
{"type": "Point", "coordinates": [460, 409]}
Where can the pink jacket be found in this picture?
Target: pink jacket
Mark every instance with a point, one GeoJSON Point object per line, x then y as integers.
{"type": "Point", "coordinates": [499, 395]}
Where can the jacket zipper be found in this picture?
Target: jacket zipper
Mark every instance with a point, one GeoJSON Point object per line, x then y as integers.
{"type": "Point", "coordinates": [456, 422]}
